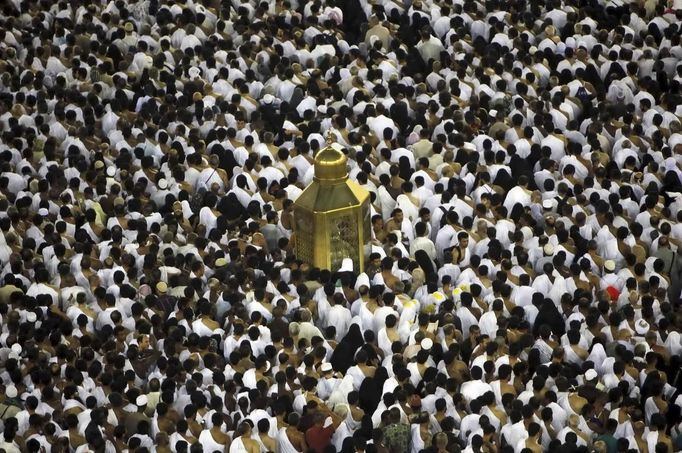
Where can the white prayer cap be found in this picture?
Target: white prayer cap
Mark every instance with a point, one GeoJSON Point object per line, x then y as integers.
{"type": "Point", "coordinates": [268, 99]}
{"type": "Point", "coordinates": [11, 391]}
{"type": "Point", "coordinates": [547, 204]}
{"type": "Point", "coordinates": [141, 400]}
{"type": "Point", "coordinates": [16, 347]}
{"type": "Point", "coordinates": [194, 72]}
{"type": "Point", "coordinates": [426, 344]}
{"type": "Point", "coordinates": [346, 265]}
{"type": "Point", "coordinates": [43, 212]}
{"type": "Point", "coordinates": [590, 374]}
{"type": "Point", "coordinates": [326, 367]}
{"type": "Point", "coordinates": [492, 113]}
{"type": "Point", "coordinates": [31, 317]}
{"type": "Point", "coordinates": [111, 171]}
{"type": "Point", "coordinates": [163, 184]}
{"type": "Point", "coordinates": [610, 265]}
{"type": "Point", "coordinates": [322, 109]}
{"type": "Point", "coordinates": [362, 280]}
{"type": "Point", "coordinates": [641, 327]}
{"type": "Point", "coordinates": [548, 249]}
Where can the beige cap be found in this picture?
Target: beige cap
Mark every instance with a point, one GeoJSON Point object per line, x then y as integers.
{"type": "Point", "coordinates": [610, 265]}
{"type": "Point", "coordinates": [162, 287]}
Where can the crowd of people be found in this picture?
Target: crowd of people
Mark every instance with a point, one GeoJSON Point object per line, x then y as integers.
{"type": "Point", "coordinates": [521, 292]}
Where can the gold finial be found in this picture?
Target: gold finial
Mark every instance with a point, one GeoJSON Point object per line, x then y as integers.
{"type": "Point", "coordinates": [330, 163]}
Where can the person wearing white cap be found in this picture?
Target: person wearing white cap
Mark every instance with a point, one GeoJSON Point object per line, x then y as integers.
{"type": "Point", "coordinates": [548, 205]}
{"type": "Point", "coordinates": [10, 405]}
{"type": "Point", "coordinates": [547, 257]}
{"type": "Point", "coordinates": [610, 278]}
{"type": "Point", "coordinates": [327, 382]}
{"type": "Point", "coordinates": [159, 196]}
{"type": "Point", "coordinates": [133, 419]}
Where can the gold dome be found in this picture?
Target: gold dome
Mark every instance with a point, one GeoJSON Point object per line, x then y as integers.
{"type": "Point", "coordinates": [330, 163]}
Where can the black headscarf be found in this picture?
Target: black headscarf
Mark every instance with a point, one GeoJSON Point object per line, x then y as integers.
{"type": "Point", "coordinates": [548, 314]}
{"type": "Point", "coordinates": [371, 391]}
{"type": "Point", "coordinates": [426, 264]}
{"type": "Point", "coordinates": [344, 354]}
{"type": "Point", "coordinates": [231, 208]}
